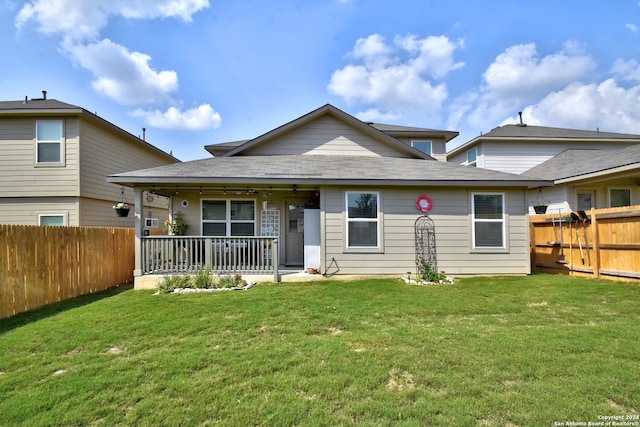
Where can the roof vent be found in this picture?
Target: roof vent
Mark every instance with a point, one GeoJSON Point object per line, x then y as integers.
{"type": "Point", "coordinates": [521, 124]}
{"type": "Point", "coordinates": [44, 94]}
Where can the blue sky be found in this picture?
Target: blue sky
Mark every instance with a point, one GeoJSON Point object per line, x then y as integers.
{"type": "Point", "coordinates": [197, 72]}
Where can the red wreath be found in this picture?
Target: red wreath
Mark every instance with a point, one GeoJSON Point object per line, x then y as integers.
{"type": "Point", "coordinates": [424, 203]}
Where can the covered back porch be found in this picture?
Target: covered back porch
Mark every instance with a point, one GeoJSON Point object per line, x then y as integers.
{"type": "Point", "coordinates": [255, 231]}
{"type": "Point", "coordinates": [188, 254]}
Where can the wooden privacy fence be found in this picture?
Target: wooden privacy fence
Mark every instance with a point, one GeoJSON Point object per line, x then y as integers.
{"type": "Point", "coordinates": [44, 265]}
{"type": "Point", "coordinates": [606, 245]}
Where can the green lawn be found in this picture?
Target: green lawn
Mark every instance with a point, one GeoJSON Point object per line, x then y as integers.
{"type": "Point", "coordinates": [503, 351]}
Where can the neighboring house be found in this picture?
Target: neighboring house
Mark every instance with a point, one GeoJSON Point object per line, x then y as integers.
{"type": "Point", "coordinates": [588, 179]}
{"type": "Point", "coordinates": [519, 148]}
{"type": "Point", "coordinates": [357, 181]}
{"type": "Point", "coordinates": [54, 159]}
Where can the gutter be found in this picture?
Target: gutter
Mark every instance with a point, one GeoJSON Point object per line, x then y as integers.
{"type": "Point", "coordinates": [191, 181]}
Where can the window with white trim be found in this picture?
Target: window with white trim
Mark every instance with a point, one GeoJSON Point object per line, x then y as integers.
{"type": "Point", "coordinates": [422, 145]}
{"type": "Point", "coordinates": [49, 143]}
{"type": "Point", "coordinates": [472, 157]}
{"type": "Point", "coordinates": [488, 220]}
{"type": "Point", "coordinates": [619, 197]}
{"type": "Point", "coordinates": [226, 217]}
{"type": "Point", "coordinates": [51, 219]}
{"type": "Point", "coordinates": [363, 219]}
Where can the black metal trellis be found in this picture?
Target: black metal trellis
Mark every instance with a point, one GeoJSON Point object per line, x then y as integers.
{"type": "Point", "coordinates": [425, 232]}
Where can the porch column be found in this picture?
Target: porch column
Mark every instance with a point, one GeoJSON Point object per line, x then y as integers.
{"type": "Point", "coordinates": [137, 200]}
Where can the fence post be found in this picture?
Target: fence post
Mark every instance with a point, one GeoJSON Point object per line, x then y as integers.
{"type": "Point", "coordinates": [138, 207]}
{"type": "Point", "coordinates": [595, 243]}
{"type": "Point", "coordinates": [532, 246]}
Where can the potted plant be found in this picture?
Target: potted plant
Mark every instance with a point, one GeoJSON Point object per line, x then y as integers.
{"type": "Point", "coordinates": [176, 225]}
{"type": "Point", "coordinates": [540, 204]}
{"type": "Point", "coordinates": [122, 209]}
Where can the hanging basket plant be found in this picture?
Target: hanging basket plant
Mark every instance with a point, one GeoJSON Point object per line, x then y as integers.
{"type": "Point", "coordinates": [540, 209]}
{"type": "Point", "coordinates": [122, 208]}
{"type": "Point", "coordinates": [540, 204]}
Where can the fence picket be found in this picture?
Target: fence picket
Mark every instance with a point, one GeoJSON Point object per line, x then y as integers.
{"type": "Point", "coordinates": [610, 250]}
{"type": "Point", "coordinates": [50, 264]}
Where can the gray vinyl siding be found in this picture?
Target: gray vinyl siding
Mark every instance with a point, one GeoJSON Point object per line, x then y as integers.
{"type": "Point", "coordinates": [438, 146]}
{"type": "Point", "coordinates": [19, 174]}
{"type": "Point", "coordinates": [461, 158]}
{"type": "Point", "coordinates": [451, 216]}
{"type": "Point", "coordinates": [99, 213]}
{"type": "Point", "coordinates": [104, 152]}
{"type": "Point", "coordinates": [27, 189]}
{"type": "Point", "coordinates": [518, 156]}
{"type": "Point", "coordinates": [26, 210]}
{"type": "Point", "coordinates": [326, 135]}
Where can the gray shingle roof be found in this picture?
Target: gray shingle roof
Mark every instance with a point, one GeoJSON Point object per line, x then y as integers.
{"type": "Point", "coordinates": [37, 104]}
{"type": "Point", "coordinates": [396, 130]}
{"type": "Point", "coordinates": [575, 163]}
{"type": "Point", "coordinates": [543, 132]}
{"type": "Point", "coordinates": [518, 133]}
{"type": "Point", "coordinates": [319, 169]}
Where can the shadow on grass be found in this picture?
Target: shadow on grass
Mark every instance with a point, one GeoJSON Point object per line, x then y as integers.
{"type": "Point", "coordinates": [21, 319]}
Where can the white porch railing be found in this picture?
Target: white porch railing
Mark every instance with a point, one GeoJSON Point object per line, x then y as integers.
{"type": "Point", "coordinates": [186, 254]}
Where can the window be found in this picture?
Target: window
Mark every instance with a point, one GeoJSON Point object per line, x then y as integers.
{"type": "Point", "coordinates": [49, 142]}
{"type": "Point", "coordinates": [228, 218]}
{"type": "Point", "coordinates": [488, 220]}
{"type": "Point", "coordinates": [586, 200]}
{"type": "Point", "coordinates": [363, 220]}
{"type": "Point", "coordinates": [619, 197]}
{"type": "Point", "coordinates": [424, 146]}
{"type": "Point", "coordinates": [51, 219]}
{"type": "Point", "coordinates": [472, 156]}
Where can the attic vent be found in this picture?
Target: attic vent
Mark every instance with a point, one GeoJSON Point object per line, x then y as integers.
{"type": "Point", "coordinates": [521, 124]}
{"type": "Point", "coordinates": [44, 97]}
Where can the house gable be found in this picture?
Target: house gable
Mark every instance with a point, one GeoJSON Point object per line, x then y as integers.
{"type": "Point", "coordinates": [327, 131]}
{"type": "Point", "coordinates": [327, 135]}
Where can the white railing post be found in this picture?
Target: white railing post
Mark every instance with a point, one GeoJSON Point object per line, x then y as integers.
{"type": "Point", "coordinates": [275, 258]}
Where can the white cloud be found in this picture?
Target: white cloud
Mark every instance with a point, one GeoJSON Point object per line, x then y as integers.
{"type": "Point", "coordinates": [202, 117]}
{"type": "Point", "coordinates": [397, 80]}
{"type": "Point", "coordinates": [123, 75]}
{"type": "Point", "coordinates": [120, 74]}
{"type": "Point", "coordinates": [431, 54]}
{"type": "Point", "coordinates": [519, 72]}
{"type": "Point", "coordinates": [606, 106]}
{"type": "Point", "coordinates": [80, 20]}
{"type": "Point", "coordinates": [631, 27]}
{"type": "Point", "coordinates": [627, 70]}
{"type": "Point", "coordinates": [518, 76]}
{"type": "Point", "coordinates": [373, 114]}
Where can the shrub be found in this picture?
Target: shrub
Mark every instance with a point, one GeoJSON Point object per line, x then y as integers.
{"type": "Point", "coordinates": [203, 279]}
{"type": "Point", "coordinates": [169, 283]}
{"type": "Point", "coordinates": [428, 274]}
{"type": "Point", "coordinates": [230, 281]}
